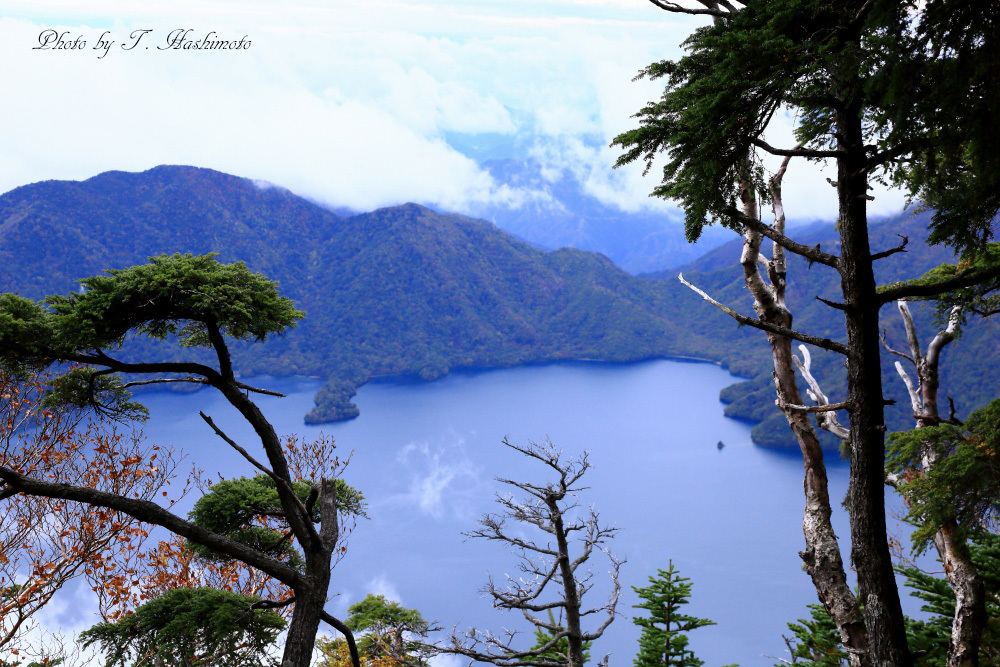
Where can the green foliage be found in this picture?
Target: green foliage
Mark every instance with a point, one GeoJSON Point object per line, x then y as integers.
{"type": "Point", "coordinates": [931, 637]}
{"type": "Point", "coordinates": [174, 295]}
{"type": "Point", "coordinates": [964, 482]}
{"type": "Point", "coordinates": [383, 626]}
{"type": "Point", "coordinates": [720, 96]}
{"type": "Point", "coordinates": [982, 299]}
{"type": "Point", "coordinates": [560, 650]}
{"type": "Point", "coordinates": [22, 325]}
{"type": "Point", "coordinates": [943, 94]}
{"type": "Point", "coordinates": [236, 507]}
{"type": "Point", "coordinates": [186, 297]}
{"type": "Point", "coordinates": [664, 639]}
{"type": "Point", "coordinates": [190, 627]}
{"type": "Point", "coordinates": [739, 71]}
{"type": "Point", "coordinates": [816, 641]}
{"type": "Point", "coordinates": [85, 387]}
{"type": "Point", "coordinates": [377, 612]}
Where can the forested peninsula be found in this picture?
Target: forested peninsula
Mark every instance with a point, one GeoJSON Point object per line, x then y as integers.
{"type": "Point", "coordinates": [407, 290]}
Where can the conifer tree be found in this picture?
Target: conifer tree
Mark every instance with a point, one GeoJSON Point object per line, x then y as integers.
{"type": "Point", "coordinates": [664, 640]}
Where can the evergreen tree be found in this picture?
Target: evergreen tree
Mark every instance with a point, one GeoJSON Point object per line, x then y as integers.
{"type": "Point", "coordinates": [816, 642]}
{"type": "Point", "coordinates": [190, 627]}
{"type": "Point", "coordinates": [561, 648]}
{"type": "Point", "coordinates": [664, 641]}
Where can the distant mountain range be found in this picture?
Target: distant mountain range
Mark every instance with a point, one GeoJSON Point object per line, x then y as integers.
{"type": "Point", "coordinates": [567, 216]}
{"type": "Point", "coordinates": [406, 290]}
{"type": "Point", "coordinates": [401, 290]}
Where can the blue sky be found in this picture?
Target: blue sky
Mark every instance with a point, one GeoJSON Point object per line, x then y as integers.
{"type": "Point", "coordinates": [353, 103]}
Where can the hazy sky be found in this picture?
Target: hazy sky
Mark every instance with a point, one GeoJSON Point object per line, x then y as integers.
{"type": "Point", "coordinates": [359, 103]}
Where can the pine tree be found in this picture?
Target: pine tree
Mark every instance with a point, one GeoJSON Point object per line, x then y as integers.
{"type": "Point", "coordinates": [664, 641]}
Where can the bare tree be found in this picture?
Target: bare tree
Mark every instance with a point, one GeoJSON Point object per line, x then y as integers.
{"type": "Point", "coordinates": [952, 548]}
{"type": "Point", "coordinates": [963, 577]}
{"type": "Point", "coordinates": [767, 281]}
{"type": "Point", "coordinates": [547, 564]}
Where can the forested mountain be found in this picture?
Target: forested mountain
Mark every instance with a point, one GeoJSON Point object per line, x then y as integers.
{"type": "Point", "coordinates": [406, 290]}
{"type": "Point", "coordinates": [398, 290]}
{"type": "Point", "coordinates": [968, 366]}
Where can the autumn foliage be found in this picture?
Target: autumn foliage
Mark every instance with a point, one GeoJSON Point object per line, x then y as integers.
{"type": "Point", "coordinates": [45, 543]}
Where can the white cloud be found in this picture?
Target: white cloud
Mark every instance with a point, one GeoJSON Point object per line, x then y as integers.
{"type": "Point", "coordinates": [442, 478]}
{"type": "Point", "coordinates": [381, 585]}
{"type": "Point", "coordinates": [346, 103]}
{"type": "Point", "coordinates": [349, 103]}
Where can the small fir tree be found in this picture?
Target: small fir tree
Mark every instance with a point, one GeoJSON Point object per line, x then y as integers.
{"type": "Point", "coordinates": [561, 649]}
{"type": "Point", "coordinates": [816, 642]}
{"type": "Point", "coordinates": [664, 641]}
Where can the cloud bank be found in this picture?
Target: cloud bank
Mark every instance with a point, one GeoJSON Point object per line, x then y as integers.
{"type": "Point", "coordinates": [354, 104]}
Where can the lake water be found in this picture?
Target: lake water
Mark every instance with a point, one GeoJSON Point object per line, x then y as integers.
{"type": "Point", "coordinates": [425, 455]}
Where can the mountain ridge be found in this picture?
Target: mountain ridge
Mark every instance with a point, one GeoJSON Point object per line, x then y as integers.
{"type": "Point", "coordinates": [399, 290]}
{"type": "Point", "coordinates": [405, 290]}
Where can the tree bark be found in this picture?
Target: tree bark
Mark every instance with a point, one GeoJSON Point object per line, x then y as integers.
{"type": "Point", "coordinates": [822, 558]}
{"type": "Point", "coordinates": [963, 576]}
{"type": "Point", "coordinates": [870, 550]}
{"type": "Point", "coordinates": [574, 633]}
{"type": "Point", "coordinates": [304, 626]}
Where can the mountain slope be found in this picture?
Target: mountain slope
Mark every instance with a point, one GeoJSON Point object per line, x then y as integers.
{"type": "Point", "coordinates": [398, 290]}
{"type": "Point", "coordinates": [565, 214]}
{"type": "Point", "coordinates": [967, 367]}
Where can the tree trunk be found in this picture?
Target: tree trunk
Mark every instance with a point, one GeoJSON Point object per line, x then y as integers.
{"type": "Point", "coordinates": [309, 603]}
{"type": "Point", "coordinates": [574, 632]}
{"type": "Point", "coordinates": [822, 558]}
{"type": "Point", "coordinates": [870, 549]}
{"type": "Point", "coordinates": [963, 577]}
{"type": "Point", "coordinates": [970, 604]}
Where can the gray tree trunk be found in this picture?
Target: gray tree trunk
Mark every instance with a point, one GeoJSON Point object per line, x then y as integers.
{"type": "Point", "coordinates": [822, 558]}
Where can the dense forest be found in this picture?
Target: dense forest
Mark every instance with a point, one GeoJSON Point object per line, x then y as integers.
{"type": "Point", "coordinates": [406, 290]}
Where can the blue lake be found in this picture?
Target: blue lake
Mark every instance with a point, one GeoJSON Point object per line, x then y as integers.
{"type": "Point", "coordinates": [425, 455]}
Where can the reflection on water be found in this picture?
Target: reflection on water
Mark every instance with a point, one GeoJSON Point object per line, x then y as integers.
{"type": "Point", "coordinates": [425, 455]}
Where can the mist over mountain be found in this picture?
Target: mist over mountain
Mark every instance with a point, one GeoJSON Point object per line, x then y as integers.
{"type": "Point", "coordinates": [564, 214]}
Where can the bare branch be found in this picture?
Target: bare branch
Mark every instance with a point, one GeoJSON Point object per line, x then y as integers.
{"type": "Point", "coordinates": [832, 304]}
{"type": "Point", "coordinates": [340, 627]}
{"type": "Point", "coordinates": [799, 151]}
{"type": "Point", "coordinates": [812, 253]}
{"type": "Point", "coordinates": [892, 251]}
{"type": "Point", "coordinates": [232, 443]}
{"type": "Point", "coordinates": [189, 379]}
{"type": "Point", "coordinates": [830, 407]}
{"type": "Point", "coordinates": [548, 507]}
{"type": "Point", "coordinates": [911, 332]}
{"type": "Point", "coordinates": [824, 343]}
{"type": "Point", "coordinates": [673, 7]}
{"type": "Point", "coordinates": [826, 420]}
{"type": "Point", "coordinates": [885, 344]}
{"type": "Point", "coordinates": [910, 389]}
{"type": "Point", "coordinates": [150, 512]}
